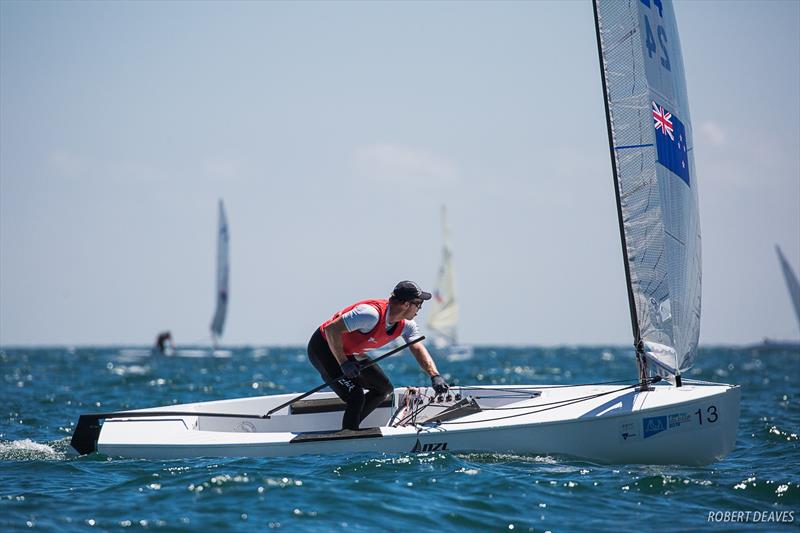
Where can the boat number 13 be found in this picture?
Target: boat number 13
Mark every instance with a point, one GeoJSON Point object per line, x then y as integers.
{"type": "Point", "coordinates": [711, 414]}
{"type": "Point", "coordinates": [650, 40]}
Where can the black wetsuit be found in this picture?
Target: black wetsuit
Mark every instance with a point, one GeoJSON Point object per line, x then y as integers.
{"type": "Point", "coordinates": [351, 391]}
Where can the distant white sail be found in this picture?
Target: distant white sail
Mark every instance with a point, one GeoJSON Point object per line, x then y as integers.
{"type": "Point", "coordinates": [791, 283]}
{"type": "Point", "coordinates": [223, 270]}
{"type": "Point", "coordinates": [651, 141]}
{"type": "Point", "coordinates": [443, 314]}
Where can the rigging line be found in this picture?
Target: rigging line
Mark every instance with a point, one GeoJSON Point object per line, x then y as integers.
{"type": "Point", "coordinates": [536, 411]}
{"type": "Point", "coordinates": [394, 415]}
{"type": "Point", "coordinates": [408, 403]}
{"type": "Point", "coordinates": [698, 382]}
{"type": "Point", "coordinates": [430, 403]}
{"type": "Point", "coordinates": [566, 401]}
{"type": "Point", "coordinates": [654, 380]}
{"type": "Point", "coordinates": [412, 417]}
{"type": "Point", "coordinates": [522, 393]}
{"type": "Point", "coordinates": [548, 387]}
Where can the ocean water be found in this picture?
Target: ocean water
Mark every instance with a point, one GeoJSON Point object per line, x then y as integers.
{"type": "Point", "coordinates": [43, 487]}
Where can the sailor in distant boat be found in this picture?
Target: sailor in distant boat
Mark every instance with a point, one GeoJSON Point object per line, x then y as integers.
{"type": "Point", "coordinates": [161, 341]}
{"type": "Point", "coordinates": [336, 349]}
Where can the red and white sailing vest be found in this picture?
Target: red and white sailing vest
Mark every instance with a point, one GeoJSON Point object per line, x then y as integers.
{"type": "Point", "coordinates": [356, 342]}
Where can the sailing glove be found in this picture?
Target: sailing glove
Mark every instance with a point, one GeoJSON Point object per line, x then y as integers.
{"type": "Point", "coordinates": [350, 368]}
{"type": "Point", "coordinates": [440, 386]}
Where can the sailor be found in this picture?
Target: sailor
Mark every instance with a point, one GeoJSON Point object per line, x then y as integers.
{"type": "Point", "coordinates": [336, 349]}
{"type": "Point", "coordinates": [161, 341]}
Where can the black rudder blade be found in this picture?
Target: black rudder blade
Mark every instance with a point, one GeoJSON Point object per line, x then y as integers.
{"type": "Point", "coordinates": [84, 438]}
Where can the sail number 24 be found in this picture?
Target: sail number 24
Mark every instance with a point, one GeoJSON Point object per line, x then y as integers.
{"type": "Point", "coordinates": [650, 40]}
{"type": "Point", "coordinates": [711, 414]}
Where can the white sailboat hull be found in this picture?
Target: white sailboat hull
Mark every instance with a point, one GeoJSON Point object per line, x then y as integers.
{"type": "Point", "coordinates": [689, 425]}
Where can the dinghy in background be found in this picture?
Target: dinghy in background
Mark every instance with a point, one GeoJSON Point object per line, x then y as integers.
{"type": "Point", "coordinates": [223, 274]}
{"type": "Point", "coordinates": [793, 288]}
{"type": "Point", "coordinates": [443, 312]}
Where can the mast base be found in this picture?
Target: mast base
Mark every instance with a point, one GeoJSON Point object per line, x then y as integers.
{"type": "Point", "coordinates": [641, 363]}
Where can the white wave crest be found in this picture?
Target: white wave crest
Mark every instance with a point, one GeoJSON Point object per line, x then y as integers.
{"type": "Point", "coordinates": [28, 450]}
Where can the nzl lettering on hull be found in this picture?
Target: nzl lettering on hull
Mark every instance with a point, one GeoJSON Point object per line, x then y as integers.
{"type": "Point", "coordinates": [429, 447]}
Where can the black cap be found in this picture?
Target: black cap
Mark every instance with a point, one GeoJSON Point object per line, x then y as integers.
{"type": "Point", "coordinates": [408, 290]}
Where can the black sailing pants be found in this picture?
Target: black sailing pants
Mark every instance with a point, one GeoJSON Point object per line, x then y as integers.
{"type": "Point", "coordinates": [351, 391]}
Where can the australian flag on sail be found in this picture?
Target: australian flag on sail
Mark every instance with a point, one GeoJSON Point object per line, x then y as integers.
{"type": "Point", "coordinates": [671, 142]}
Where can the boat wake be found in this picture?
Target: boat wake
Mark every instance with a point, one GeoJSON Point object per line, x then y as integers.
{"type": "Point", "coordinates": [28, 450]}
{"type": "Point", "coordinates": [508, 458]}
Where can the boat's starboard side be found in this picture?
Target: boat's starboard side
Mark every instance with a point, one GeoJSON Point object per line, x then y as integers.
{"type": "Point", "coordinates": [694, 424]}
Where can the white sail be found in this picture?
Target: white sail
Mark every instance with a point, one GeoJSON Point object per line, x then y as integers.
{"type": "Point", "coordinates": [223, 269]}
{"type": "Point", "coordinates": [791, 283]}
{"type": "Point", "coordinates": [443, 314]}
{"type": "Point", "coordinates": [651, 141]}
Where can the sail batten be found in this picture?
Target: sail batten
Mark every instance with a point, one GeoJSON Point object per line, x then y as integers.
{"type": "Point", "coordinates": [650, 137]}
{"type": "Point", "coordinates": [223, 269]}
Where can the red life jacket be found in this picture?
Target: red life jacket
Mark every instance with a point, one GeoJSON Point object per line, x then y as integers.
{"type": "Point", "coordinates": [356, 342]}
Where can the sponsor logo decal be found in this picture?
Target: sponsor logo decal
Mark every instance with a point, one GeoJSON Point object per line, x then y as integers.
{"type": "Point", "coordinates": [679, 419]}
{"type": "Point", "coordinates": [627, 431]}
{"type": "Point", "coordinates": [653, 425]}
{"type": "Point", "coordinates": [675, 422]}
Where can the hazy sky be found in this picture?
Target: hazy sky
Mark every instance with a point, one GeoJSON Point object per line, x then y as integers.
{"type": "Point", "coordinates": [334, 131]}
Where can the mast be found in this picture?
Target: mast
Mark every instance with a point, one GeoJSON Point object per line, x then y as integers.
{"type": "Point", "coordinates": [641, 361]}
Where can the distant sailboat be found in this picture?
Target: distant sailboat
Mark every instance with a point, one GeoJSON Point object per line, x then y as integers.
{"type": "Point", "coordinates": [791, 283]}
{"type": "Point", "coordinates": [223, 271]}
{"type": "Point", "coordinates": [793, 287]}
{"type": "Point", "coordinates": [443, 314]}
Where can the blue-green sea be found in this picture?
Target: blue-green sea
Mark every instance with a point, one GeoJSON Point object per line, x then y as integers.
{"type": "Point", "coordinates": [43, 487]}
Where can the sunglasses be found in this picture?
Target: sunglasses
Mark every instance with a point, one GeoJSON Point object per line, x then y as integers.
{"type": "Point", "coordinates": [417, 303]}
